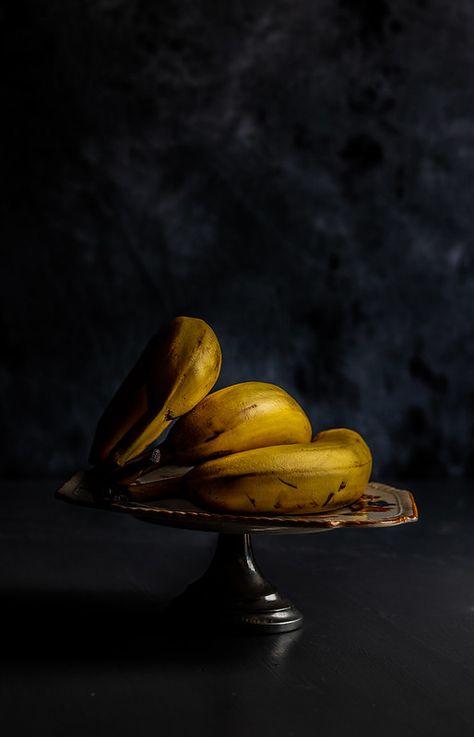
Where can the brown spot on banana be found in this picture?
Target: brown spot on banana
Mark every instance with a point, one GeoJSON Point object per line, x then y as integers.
{"type": "Point", "coordinates": [214, 435]}
{"type": "Point", "coordinates": [330, 496]}
{"type": "Point", "coordinates": [287, 483]}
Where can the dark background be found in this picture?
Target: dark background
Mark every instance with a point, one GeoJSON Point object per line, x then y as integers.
{"type": "Point", "coordinates": [299, 174]}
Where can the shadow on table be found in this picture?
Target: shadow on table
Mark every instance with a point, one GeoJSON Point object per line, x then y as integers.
{"type": "Point", "coordinates": [85, 626]}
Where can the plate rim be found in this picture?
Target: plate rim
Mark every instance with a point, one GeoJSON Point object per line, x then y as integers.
{"type": "Point", "coordinates": [75, 491]}
{"type": "Point", "coordinates": [407, 512]}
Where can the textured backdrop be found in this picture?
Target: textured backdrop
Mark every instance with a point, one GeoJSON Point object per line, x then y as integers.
{"type": "Point", "coordinates": [300, 174]}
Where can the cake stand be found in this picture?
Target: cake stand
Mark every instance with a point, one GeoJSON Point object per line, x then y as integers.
{"type": "Point", "coordinates": [233, 593]}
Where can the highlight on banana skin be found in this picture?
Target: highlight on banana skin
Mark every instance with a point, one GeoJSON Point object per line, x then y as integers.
{"type": "Point", "coordinates": [246, 449]}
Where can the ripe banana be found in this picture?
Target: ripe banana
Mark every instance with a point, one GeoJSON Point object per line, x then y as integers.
{"type": "Point", "coordinates": [305, 478]}
{"type": "Point", "coordinates": [179, 366]}
{"type": "Point", "coordinates": [242, 416]}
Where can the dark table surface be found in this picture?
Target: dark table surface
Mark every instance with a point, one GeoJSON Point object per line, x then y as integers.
{"type": "Point", "coordinates": [387, 647]}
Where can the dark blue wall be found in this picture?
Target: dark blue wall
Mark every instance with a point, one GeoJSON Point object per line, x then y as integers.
{"type": "Point", "coordinates": [300, 174]}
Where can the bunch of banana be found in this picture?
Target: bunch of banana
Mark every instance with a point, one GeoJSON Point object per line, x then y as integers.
{"type": "Point", "coordinates": [249, 415]}
{"type": "Point", "coordinates": [177, 369]}
{"type": "Point", "coordinates": [243, 449]}
{"type": "Point", "coordinates": [301, 478]}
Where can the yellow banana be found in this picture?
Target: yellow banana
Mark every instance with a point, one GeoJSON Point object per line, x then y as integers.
{"type": "Point", "coordinates": [242, 416]}
{"type": "Point", "coordinates": [305, 478]}
{"type": "Point", "coordinates": [177, 369]}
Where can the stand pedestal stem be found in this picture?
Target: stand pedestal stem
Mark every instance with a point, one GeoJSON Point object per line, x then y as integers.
{"type": "Point", "coordinates": [233, 593]}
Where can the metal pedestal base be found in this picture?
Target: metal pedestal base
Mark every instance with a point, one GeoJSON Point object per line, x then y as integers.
{"type": "Point", "coordinates": [233, 594]}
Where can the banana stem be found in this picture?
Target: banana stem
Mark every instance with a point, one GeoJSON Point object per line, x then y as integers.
{"type": "Point", "coordinates": [146, 463]}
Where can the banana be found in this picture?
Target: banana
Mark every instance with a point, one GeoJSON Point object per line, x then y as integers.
{"type": "Point", "coordinates": [178, 367]}
{"type": "Point", "coordinates": [167, 483]}
{"type": "Point", "coordinates": [304, 478]}
{"type": "Point", "coordinates": [239, 417]}
{"type": "Point", "coordinates": [252, 414]}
